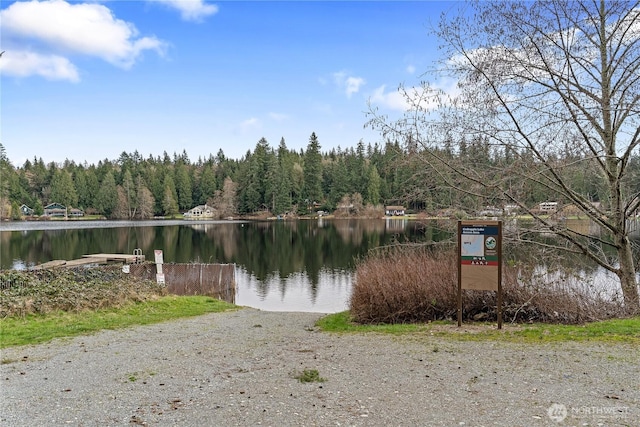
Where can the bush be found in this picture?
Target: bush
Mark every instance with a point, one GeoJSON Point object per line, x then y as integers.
{"type": "Point", "coordinates": [73, 290]}
{"type": "Point", "coordinates": [403, 286]}
{"type": "Point", "coordinates": [420, 285]}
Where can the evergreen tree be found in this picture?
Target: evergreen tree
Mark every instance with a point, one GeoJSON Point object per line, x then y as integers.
{"type": "Point", "coordinates": [62, 189]}
{"type": "Point", "coordinates": [183, 185]}
{"type": "Point", "coordinates": [16, 214]}
{"type": "Point", "coordinates": [358, 170]}
{"type": "Point", "coordinates": [312, 190]}
{"type": "Point", "coordinates": [340, 181]}
{"type": "Point", "coordinates": [284, 196]}
{"type": "Point", "coordinates": [38, 179]}
{"type": "Point", "coordinates": [207, 184]}
{"type": "Point", "coordinates": [297, 182]}
{"type": "Point", "coordinates": [80, 183]}
{"type": "Point", "coordinates": [253, 188]}
{"type": "Point", "coordinates": [93, 187]}
{"type": "Point", "coordinates": [169, 204]}
{"type": "Point", "coordinates": [170, 184]}
{"type": "Point", "coordinates": [373, 186]}
{"type": "Point", "coordinates": [271, 180]}
{"type": "Point", "coordinates": [282, 200]}
{"type": "Point", "coordinates": [152, 178]}
{"type": "Point", "coordinates": [107, 197]}
{"type": "Point", "coordinates": [38, 209]}
{"type": "Point", "coordinates": [247, 194]}
{"type": "Point", "coordinates": [6, 169]}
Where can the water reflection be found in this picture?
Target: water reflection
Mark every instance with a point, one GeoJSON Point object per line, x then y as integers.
{"type": "Point", "coordinates": [331, 293]}
{"type": "Point", "coordinates": [283, 265]}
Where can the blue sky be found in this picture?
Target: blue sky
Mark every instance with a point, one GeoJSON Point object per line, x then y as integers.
{"type": "Point", "coordinates": [88, 80]}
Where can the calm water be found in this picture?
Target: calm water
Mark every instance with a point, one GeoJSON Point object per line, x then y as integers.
{"type": "Point", "coordinates": [280, 266]}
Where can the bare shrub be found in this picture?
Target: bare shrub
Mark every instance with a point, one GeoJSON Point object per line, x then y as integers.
{"type": "Point", "coordinates": [402, 286]}
{"type": "Point", "coordinates": [418, 285]}
{"type": "Point", "coordinates": [555, 296]}
{"type": "Point", "coordinates": [372, 211]}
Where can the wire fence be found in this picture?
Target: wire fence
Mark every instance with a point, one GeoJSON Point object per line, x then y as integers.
{"type": "Point", "coordinates": [215, 280]}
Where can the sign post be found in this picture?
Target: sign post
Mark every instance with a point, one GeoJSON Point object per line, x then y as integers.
{"type": "Point", "coordinates": [480, 260]}
{"type": "Point", "coordinates": [159, 261]}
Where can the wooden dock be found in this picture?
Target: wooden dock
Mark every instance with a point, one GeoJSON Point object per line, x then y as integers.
{"type": "Point", "coordinates": [124, 258]}
{"type": "Point", "coordinates": [92, 259]}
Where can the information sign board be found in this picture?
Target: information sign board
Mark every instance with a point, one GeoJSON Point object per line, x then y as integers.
{"type": "Point", "coordinates": [479, 256]}
{"type": "Point", "coordinates": [480, 260]}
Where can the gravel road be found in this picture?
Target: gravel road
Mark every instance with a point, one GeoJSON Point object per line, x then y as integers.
{"type": "Point", "coordinates": [237, 369]}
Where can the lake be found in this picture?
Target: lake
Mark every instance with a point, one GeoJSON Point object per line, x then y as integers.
{"type": "Point", "coordinates": [304, 265]}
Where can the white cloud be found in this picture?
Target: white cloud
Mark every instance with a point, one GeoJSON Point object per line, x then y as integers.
{"type": "Point", "coordinates": [191, 10]}
{"type": "Point", "coordinates": [84, 28]}
{"type": "Point", "coordinates": [393, 100]}
{"type": "Point", "coordinates": [353, 85]}
{"type": "Point", "coordinates": [350, 84]}
{"type": "Point", "coordinates": [416, 96]}
{"type": "Point", "coordinates": [411, 69]}
{"type": "Point", "coordinates": [52, 67]}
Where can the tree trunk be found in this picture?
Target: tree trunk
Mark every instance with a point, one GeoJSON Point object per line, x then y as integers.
{"type": "Point", "coordinates": [627, 276]}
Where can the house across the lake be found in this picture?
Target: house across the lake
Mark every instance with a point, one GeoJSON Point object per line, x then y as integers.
{"type": "Point", "coordinates": [26, 210]}
{"type": "Point", "coordinates": [394, 210]}
{"type": "Point", "coordinates": [548, 207]}
{"type": "Point", "coordinates": [76, 212]}
{"type": "Point", "coordinates": [55, 209]}
{"type": "Point", "coordinates": [200, 212]}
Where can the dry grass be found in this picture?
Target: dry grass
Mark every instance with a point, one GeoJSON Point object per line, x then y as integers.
{"type": "Point", "coordinates": [418, 285]}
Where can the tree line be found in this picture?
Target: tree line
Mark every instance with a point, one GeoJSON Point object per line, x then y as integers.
{"type": "Point", "coordinates": [278, 180]}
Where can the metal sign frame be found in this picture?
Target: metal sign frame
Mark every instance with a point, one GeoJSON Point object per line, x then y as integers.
{"type": "Point", "coordinates": [480, 260]}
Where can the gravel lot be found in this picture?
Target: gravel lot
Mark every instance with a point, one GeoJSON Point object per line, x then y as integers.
{"type": "Point", "coordinates": [237, 369]}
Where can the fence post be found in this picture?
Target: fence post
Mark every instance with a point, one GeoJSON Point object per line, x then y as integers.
{"type": "Point", "coordinates": [201, 287]}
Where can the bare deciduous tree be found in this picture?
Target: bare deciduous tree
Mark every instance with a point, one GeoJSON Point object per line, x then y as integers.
{"type": "Point", "coordinates": [121, 210]}
{"type": "Point", "coordinates": [145, 200]}
{"type": "Point", "coordinates": [225, 200]}
{"type": "Point", "coordinates": [556, 86]}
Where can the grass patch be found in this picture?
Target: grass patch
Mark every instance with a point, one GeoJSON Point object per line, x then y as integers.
{"type": "Point", "coordinates": [342, 322]}
{"type": "Point", "coordinates": [38, 328]}
{"type": "Point", "coordinates": [77, 218]}
{"type": "Point", "coordinates": [309, 376]}
{"type": "Point", "coordinates": [612, 331]}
